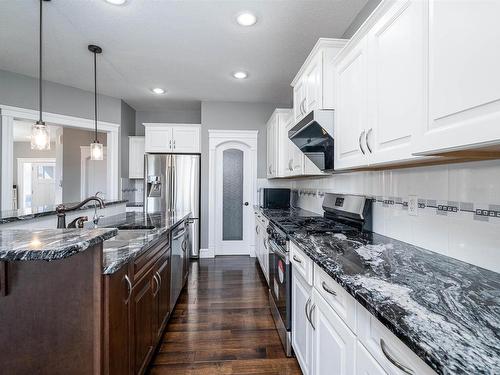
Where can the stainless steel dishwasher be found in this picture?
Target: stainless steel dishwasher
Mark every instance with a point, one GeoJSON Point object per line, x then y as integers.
{"type": "Point", "coordinates": [180, 240]}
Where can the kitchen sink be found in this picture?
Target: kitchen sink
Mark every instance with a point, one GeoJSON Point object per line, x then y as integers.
{"type": "Point", "coordinates": [131, 227]}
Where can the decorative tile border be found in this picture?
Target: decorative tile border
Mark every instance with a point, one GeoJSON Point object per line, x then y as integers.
{"type": "Point", "coordinates": [479, 212]}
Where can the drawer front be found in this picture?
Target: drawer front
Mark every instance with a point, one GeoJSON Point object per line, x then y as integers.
{"type": "Point", "coordinates": [146, 260]}
{"type": "Point", "coordinates": [390, 352]}
{"type": "Point", "coordinates": [336, 296]}
{"type": "Point", "coordinates": [301, 263]}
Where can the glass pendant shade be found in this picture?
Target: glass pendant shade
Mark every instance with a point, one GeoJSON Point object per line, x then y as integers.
{"type": "Point", "coordinates": [40, 137]}
{"type": "Point", "coordinates": [96, 151]}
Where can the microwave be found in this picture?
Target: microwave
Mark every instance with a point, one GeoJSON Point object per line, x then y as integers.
{"type": "Point", "coordinates": [274, 198]}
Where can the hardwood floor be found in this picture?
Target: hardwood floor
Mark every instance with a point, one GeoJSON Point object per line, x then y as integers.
{"type": "Point", "coordinates": [222, 324]}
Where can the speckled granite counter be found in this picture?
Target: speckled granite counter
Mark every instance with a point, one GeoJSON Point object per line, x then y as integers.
{"type": "Point", "coordinates": [11, 216]}
{"type": "Point", "coordinates": [119, 252]}
{"type": "Point", "coordinates": [445, 310]}
{"type": "Point", "coordinates": [49, 244]}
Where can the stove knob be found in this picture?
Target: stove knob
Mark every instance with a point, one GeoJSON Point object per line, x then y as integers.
{"type": "Point", "coordinates": [269, 230]}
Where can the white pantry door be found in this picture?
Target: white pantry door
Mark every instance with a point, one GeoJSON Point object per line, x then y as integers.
{"type": "Point", "coordinates": [233, 180]}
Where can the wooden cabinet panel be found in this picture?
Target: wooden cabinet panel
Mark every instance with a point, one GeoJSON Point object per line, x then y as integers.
{"type": "Point", "coordinates": [117, 289]}
{"type": "Point", "coordinates": [142, 315]}
{"type": "Point", "coordinates": [464, 79]}
{"type": "Point", "coordinates": [301, 328]}
{"type": "Point", "coordinates": [186, 139]}
{"type": "Point", "coordinates": [351, 111]}
{"type": "Point", "coordinates": [334, 345]}
{"type": "Point", "coordinates": [397, 55]}
{"type": "Point", "coordinates": [136, 157]}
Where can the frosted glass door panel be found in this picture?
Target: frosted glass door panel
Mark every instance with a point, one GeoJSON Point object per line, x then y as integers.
{"type": "Point", "coordinates": [232, 195]}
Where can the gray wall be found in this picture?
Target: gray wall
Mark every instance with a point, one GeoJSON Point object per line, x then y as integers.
{"type": "Point", "coordinates": [72, 140]}
{"type": "Point", "coordinates": [233, 116]}
{"type": "Point", "coordinates": [189, 116]}
{"type": "Point", "coordinates": [23, 150]}
{"type": "Point", "coordinates": [22, 91]}
{"type": "Point", "coordinates": [127, 128]}
{"type": "Point", "coordinates": [360, 18]}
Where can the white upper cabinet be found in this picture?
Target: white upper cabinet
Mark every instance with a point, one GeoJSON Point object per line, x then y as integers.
{"type": "Point", "coordinates": [464, 76]}
{"type": "Point", "coordinates": [397, 90]}
{"type": "Point", "coordinates": [351, 108]}
{"type": "Point", "coordinates": [295, 157]}
{"type": "Point", "coordinates": [277, 143]}
{"type": "Point", "coordinates": [136, 157]}
{"type": "Point", "coordinates": [174, 138]}
{"type": "Point", "coordinates": [313, 85]}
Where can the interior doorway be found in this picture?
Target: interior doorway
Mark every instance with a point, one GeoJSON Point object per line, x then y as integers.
{"type": "Point", "coordinates": [233, 171]}
{"type": "Point", "coordinates": [37, 182]}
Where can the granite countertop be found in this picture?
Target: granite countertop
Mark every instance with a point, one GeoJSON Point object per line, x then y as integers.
{"type": "Point", "coordinates": [118, 252]}
{"type": "Point", "coordinates": [49, 244]}
{"type": "Point", "coordinates": [289, 213]}
{"type": "Point", "coordinates": [135, 204]}
{"type": "Point", "coordinates": [9, 216]}
{"type": "Point", "coordinates": [445, 310]}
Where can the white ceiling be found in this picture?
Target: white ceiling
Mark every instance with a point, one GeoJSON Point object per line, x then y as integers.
{"type": "Point", "coordinates": [188, 47]}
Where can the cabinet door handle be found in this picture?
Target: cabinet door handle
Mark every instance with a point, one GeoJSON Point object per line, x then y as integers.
{"type": "Point", "coordinates": [174, 144]}
{"type": "Point", "coordinates": [157, 286]}
{"type": "Point", "coordinates": [306, 309]}
{"type": "Point", "coordinates": [257, 229]}
{"type": "Point", "coordinates": [327, 289]}
{"type": "Point", "coordinates": [311, 310]}
{"type": "Point", "coordinates": [396, 363]}
{"type": "Point", "coordinates": [297, 259]}
{"type": "Point", "coordinates": [170, 144]}
{"type": "Point", "coordinates": [129, 289]}
{"type": "Point", "coordinates": [159, 279]}
{"type": "Point", "coordinates": [359, 141]}
{"type": "Point", "coordinates": [265, 244]}
{"type": "Point", "coordinates": [366, 140]}
{"type": "Point", "coordinates": [290, 164]}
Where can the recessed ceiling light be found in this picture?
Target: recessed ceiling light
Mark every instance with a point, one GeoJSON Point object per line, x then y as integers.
{"type": "Point", "coordinates": [246, 19]}
{"type": "Point", "coordinates": [158, 90]}
{"type": "Point", "coordinates": [240, 75]}
{"type": "Point", "coordinates": [116, 2]}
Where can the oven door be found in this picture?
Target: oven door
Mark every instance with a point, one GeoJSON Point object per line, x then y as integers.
{"type": "Point", "coordinates": [280, 278]}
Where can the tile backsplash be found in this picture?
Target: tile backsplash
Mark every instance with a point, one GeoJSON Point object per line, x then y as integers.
{"type": "Point", "coordinates": [132, 190]}
{"type": "Point", "coordinates": [459, 206]}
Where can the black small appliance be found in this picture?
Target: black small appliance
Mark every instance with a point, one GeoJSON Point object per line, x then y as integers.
{"type": "Point", "coordinates": [274, 198]}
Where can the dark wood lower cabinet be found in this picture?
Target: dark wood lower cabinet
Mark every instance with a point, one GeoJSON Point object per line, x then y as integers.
{"type": "Point", "coordinates": [137, 312]}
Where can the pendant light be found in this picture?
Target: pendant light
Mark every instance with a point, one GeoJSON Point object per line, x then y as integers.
{"type": "Point", "coordinates": [96, 148]}
{"type": "Point", "coordinates": [40, 136]}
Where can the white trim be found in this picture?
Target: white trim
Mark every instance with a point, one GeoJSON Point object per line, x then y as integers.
{"type": "Point", "coordinates": [164, 124]}
{"type": "Point", "coordinates": [20, 175]}
{"type": "Point", "coordinates": [84, 155]}
{"type": "Point", "coordinates": [207, 253]}
{"type": "Point", "coordinates": [10, 113]}
{"type": "Point", "coordinates": [219, 138]}
{"type": "Point", "coordinates": [320, 44]}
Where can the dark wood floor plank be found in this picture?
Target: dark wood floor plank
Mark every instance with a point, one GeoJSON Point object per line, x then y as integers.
{"type": "Point", "coordinates": [222, 325]}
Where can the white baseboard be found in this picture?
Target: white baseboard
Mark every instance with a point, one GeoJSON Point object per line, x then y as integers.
{"type": "Point", "coordinates": [207, 253]}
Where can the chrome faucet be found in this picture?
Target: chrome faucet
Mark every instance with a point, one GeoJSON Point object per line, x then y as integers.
{"type": "Point", "coordinates": [62, 209]}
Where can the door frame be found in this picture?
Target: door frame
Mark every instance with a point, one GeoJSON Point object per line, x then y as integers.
{"type": "Point", "coordinates": [20, 176]}
{"type": "Point", "coordinates": [9, 113]}
{"type": "Point", "coordinates": [84, 155]}
{"type": "Point", "coordinates": [247, 138]}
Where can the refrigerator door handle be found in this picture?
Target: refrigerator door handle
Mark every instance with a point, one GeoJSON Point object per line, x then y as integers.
{"type": "Point", "coordinates": [174, 186]}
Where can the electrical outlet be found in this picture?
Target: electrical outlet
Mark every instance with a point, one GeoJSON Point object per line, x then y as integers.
{"type": "Point", "coordinates": [412, 205]}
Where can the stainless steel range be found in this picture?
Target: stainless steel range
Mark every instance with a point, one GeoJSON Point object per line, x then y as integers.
{"type": "Point", "coordinates": [342, 213]}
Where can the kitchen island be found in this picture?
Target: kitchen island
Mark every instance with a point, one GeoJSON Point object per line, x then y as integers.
{"type": "Point", "coordinates": [88, 301]}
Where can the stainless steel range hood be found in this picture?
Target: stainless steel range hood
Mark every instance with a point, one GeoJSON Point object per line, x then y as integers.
{"type": "Point", "coordinates": [313, 135]}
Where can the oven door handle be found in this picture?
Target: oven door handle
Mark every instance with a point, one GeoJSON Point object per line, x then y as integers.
{"type": "Point", "coordinates": [282, 254]}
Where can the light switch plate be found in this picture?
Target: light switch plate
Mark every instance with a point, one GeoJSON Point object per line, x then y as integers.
{"type": "Point", "coordinates": [412, 205]}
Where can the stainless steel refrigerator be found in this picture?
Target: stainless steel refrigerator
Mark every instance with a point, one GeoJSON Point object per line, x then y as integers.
{"type": "Point", "coordinates": [172, 183]}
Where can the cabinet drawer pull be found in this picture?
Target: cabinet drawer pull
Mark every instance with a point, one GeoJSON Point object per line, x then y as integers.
{"type": "Point", "coordinates": [328, 290]}
{"type": "Point", "coordinates": [359, 141]}
{"type": "Point", "coordinates": [403, 368]}
{"type": "Point", "coordinates": [366, 140]}
{"type": "Point", "coordinates": [265, 244]}
{"type": "Point", "coordinates": [257, 229]}
{"type": "Point", "coordinates": [297, 259]}
{"type": "Point", "coordinates": [129, 289]}
{"type": "Point", "coordinates": [310, 316]}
